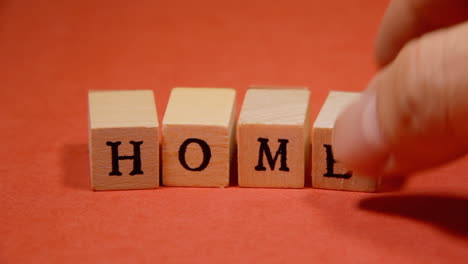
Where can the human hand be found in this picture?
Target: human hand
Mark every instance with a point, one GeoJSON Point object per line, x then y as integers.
{"type": "Point", "coordinates": [414, 113]}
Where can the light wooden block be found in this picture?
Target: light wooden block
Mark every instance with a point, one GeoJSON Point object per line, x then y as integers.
{"type": "Point", "coordinates": [198, 137]}
{"type": "Point", "coordinates": [327, 173]}
{"type": "Point", "coordinates": [274, 123]}
{"type": "Point", "coordinates": [123, 140]}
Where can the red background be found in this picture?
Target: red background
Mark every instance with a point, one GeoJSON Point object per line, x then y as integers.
{"type": "Point", "coordinates": [52, 52]}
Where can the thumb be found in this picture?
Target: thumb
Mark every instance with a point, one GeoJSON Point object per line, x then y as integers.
{"type": "Point", "coordinates": [414, 114]}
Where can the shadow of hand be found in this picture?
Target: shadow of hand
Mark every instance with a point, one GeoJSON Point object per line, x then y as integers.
{"type": "Point", "coordinates": [450, 214]}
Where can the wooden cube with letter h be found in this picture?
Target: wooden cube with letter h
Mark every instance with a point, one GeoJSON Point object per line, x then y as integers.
{"type": "Point", "coordinates": [273, 138]}
{"type": "Point", "coordinates": [328, 173]}
{"type": "Point", "coordinates": [198, 137]}
{"type": "Point", "coordinates": [123, 140]}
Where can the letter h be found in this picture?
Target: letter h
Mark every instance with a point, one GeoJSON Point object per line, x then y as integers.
{"type": "Point", "coordinates": [116, 158]}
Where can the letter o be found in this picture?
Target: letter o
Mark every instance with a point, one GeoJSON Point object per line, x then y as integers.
{"type": "Point", "coordinates": [206, 154]}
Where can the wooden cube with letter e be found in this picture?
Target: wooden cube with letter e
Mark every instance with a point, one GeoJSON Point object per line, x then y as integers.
{"type": "Point", "coordinates": [198, 137]}
{"type": "Point", "coordinates": [123, 140]}
{"type": "Point", "coordinates": [273, 138]}
{"type": "Point", "coordinates": [328, 173]}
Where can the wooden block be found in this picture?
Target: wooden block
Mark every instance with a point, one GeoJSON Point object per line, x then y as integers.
{"type": "Point", "coordinates": [198, 137]}
{"type": "Point", "coordinates": [273, 138]}
{"type": "Point", "coordinates": [123, 140]}
{"type": "Point", "coordinates": [327, 173]}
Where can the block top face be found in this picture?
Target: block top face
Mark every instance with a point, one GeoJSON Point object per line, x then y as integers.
{"type": "Point", "coordinates": [334, 104]}
{"type": "Point", "coordinates": [200, 106]}
{"type": "Point", "coordinates": [110, 109]}
{"type": "Point", "coordinates": [275, 106]}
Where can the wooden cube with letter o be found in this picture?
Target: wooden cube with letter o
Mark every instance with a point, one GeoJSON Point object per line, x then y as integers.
{"type": "Point", "coordinates": [198, 137]}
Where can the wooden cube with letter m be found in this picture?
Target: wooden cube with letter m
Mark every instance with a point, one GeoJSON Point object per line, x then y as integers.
{"type": "Point", "coordinates": [273, 138]}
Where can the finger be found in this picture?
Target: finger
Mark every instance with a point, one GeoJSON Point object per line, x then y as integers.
{"type": "Point", "coordinates": [408, 19]}
{"type": "Point", "coordinates": [414, 114]}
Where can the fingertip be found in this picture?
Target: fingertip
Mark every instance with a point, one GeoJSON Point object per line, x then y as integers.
{"type": "Point", "coordinates": [357, 138]}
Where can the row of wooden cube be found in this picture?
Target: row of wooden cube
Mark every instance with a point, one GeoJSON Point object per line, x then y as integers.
{"type": "Point", "coordinates": [200, 138]}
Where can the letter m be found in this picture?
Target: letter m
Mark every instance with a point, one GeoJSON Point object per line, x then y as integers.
{"type": "Point", "coordinates": [264, 150]}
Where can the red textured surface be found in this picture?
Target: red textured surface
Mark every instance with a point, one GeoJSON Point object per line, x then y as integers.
{"type": "Point", "coordinates": [52, 52]}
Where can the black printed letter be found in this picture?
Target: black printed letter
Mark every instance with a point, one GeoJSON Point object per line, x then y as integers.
{"type": "Point", "coordinates": [206, 154]}
{"type": "Point", "coordinates": [264, 148]}
{"type": "Point", "coordinates": [330, 165]}
{"type": "Point", "coordinates": [115, 158]}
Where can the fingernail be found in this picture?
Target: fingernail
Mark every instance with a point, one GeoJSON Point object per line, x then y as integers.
{"type": "Point", "coordinates": [357, 137]}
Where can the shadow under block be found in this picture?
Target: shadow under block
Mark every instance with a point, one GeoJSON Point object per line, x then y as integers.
{"type": "Point", "coordinates": [198, 137]}
{"type": "Point", "coordinates": [123, 140]}
{"type": "Point", "coordinates": [273, 138]}
{"type": "Point", "coordinates": [327, 173]}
